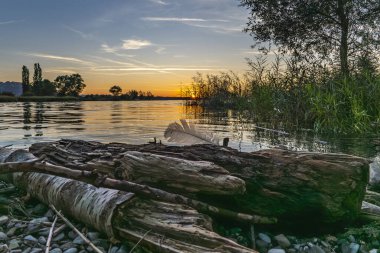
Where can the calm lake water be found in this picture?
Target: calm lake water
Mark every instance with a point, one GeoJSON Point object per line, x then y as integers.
{"type": "Point", "coordinates": [137, 122]}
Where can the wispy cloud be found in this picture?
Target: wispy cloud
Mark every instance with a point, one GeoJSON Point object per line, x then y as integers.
{"type": "Point", "coordinates": [157, 69]}
{"type": "Point", "coordinates": [8, 22]}
{"type": "Point", "coordinates": [182, 20]}
{"type": "Point", "coordinates": [135, 44]}
{"type": "Point", "coordinates": [159, 2]}
{"type": "Point", "coordinates": [160, 50]}
{"type": "Point", "coordinates": [60, 58]}
{"type": "Point", "coordinates": [80, 33]}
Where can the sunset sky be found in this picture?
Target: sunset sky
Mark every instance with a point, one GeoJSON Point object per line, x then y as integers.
{"type": "Point", "coordinates": [154, 45]}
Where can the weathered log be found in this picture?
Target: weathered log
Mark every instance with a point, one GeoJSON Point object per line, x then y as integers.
{"type": "Point", "coordinates": [123, 215]}
{"type": "Point", "coordinates": [293, 186]}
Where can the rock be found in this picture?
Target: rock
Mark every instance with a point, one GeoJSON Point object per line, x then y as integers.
{"type": "Point", "coordinates": [59, 237]}
{"type": "Point", "coordinates": [78, 240]}
{"type": "Point", "coordinates": [36, 250]}
{"type": "Point", "coordinates": [56, 250]}
{"type": "Point", "coordinates": [27, 250]}
{"type": "Point", "coordinates": [351, 238]}
{"type": "Point", "coordinates": [101, 243]}
{"type": "Point", "coordinates": [44, 231]}
{"type": "Point", "coordinates": [30, 239]}
{"type": "Point", "coordinates": [115, 248]}
{"type": "Point", "coordinates": [16, 251]}
{"type": "Point", "coordinates": [12, 231]}
{"type": "Point", "coordinates": [3, 219]}
{"type": "Point", "coordinates": [40, 220]}
{"type": "Point", "coordinates": [42, 240]}
{"type": "Point", "coordinates": [276, 251]}
{"type": "Point", "coordinates": [49, 214]}
{"type": "Point", "coordinates": [33, 228]}
{"type": "Point", "coordinates": [123, 249]}
{"type": "Point", "coordinates": [265, 238]}
{"type": "Point", "coordinates": [92, 235]}
{"type": "Point", "coordinates": [4, 248]}
{"type": "Point", "coordinates": [67, 246]}
{"type": "Point", "coordinates": [282, 241]}
{"type": "Point", "coordinates": [262, 246]}
{"type": "Point", "coordinates": [71, 250]}
{"type": "Point", "coordinates": [373, 251]}
{"type": "Point", "coordinates": [315, 249]}
{"type": "Point", "coordinates": [14, 244]}
{"type": "Point", "coordinates": [292, 251]}
{"type": "Point", "coordinates": [350, 248]}
{"type": "Point", "coordinates": [3, 237]}
{"type": "Point", "coordinates": [72, 235]}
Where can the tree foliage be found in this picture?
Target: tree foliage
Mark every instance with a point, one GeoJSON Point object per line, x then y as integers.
{"type": "Point", "coordinates": [25, 79]}
{"type": "Point", "coordinates": [37, 77]}
{"type": "Point", "coordinates": [44, 88]}
{"type": "Point", "coordinates": [335, 31]}
{"type": "Point", "coordinates": [115, 90]}
{"type": "Point", "coordinates": [69, 85]}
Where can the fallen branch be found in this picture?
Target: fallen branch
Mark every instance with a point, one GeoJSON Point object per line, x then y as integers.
{"type": "Point", "coordinates": [85, 239]}
{"type": "Point", "coordinates": [142, 190]}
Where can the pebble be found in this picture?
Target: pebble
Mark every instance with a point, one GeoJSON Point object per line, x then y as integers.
{"type": "Point", "coordinates": [354, 247]}
{"type": "Point", "coordinates": [36, 250]}
{"type": "Point", "coordinates": [4, 248]}
{"type": "Point", "coordinates": [93, 235]}
{"type": "Point", "coordinates": [16, 251]}
{"type": "Point", "coordinates": [373, 251]}
{"type": "Point", "coordinates": [72, 235]}
{"type": "Point", "coordinates": [44, 231]}
{"type": "Point", "coordinates": [59, 237]}
{"type": "Point", "coordinates": [265, 238]}
{"type": "Point", "coordinates": [30, 238]}
{"type": "Point", "coordinates": [115, 248]}
{"type": "Point", "coordinates": [56, 250]}
{"type": "Point", "coordinates": [42, 240]}
{"type": "Point", "coordinates": [316, 249]}
{"type": "Point", "coordinates": [71, 250]}
{"type": "Point", "coordinates": [123, 249]}
{"type": "Point", "coordinates": [27, 250]}
{"type": "Point", "coordinates": [3, 219]}
{"type": "Point", "coordinates": [282, 241]}
{"type": "Point", "coordinates": [14, 244]}
{"type": "Point", "coordinates": [276, 251]}
{"type": "Point", "coordinates": [3, 236]}
{"type": "Point", "coordinates": [12, 231]}
{"type": "Point", "coordinates": [78, 240]}
{"type": "Point", "coordinates": [67, 246]}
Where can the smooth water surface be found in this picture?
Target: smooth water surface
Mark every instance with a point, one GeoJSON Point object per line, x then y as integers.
{"type": "Point", "coordinates": [138, 122]}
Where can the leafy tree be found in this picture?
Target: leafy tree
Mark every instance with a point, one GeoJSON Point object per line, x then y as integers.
{"type": "Point", "coordinates": [115, 90]}
{"type": "Point", "coordinates": [44, 88]}
{"type": "Point", "coordinates": [25, 79]}
{"type": "Point", "coordinates": [141, 94]}
{"type": "Point", "coordinates": [37, 77]}
{"type": "Point", "coordinates": [132, 94]}
{"type": "Point", "coordinates": [331, 30]}
{"type": "Point", "coordinates": [69, 85]}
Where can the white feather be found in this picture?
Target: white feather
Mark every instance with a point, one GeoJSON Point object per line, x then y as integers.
{"type": "Point", "coordinates": [187, 134]}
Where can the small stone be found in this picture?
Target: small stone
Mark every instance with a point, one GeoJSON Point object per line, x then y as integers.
{"type": "Point", "coordinates": [350, 248]}
{"type": "Point", "coordinates": [42, 240]}
{"type": "Point", "coordinates": [72, 235]}
{"type": "Point", "coordinates": [3, 219]}
{"type": "Point", "coordinates": [92, 235]}
{"type": "Point", "coordinates": [59, 237]}
{"type": "Point", "coordinates": [32, 228]}
{"type": "Point", "coordinates": [78, 240]}
{"type": "Point", "coordinates": [14, 244]}
{"type": "Point", "coordinates": [16, 251]}
{"type": "Point", "coordinates": [27, 250]}
{"type": "Point", "coordinates": [316, 249]}
{"type": "Point", "coordinates": [4, 248]}
{"type": "Point", "coordinates": [292, 251]}
{"type": "Point", "coordinates": [30, 238]}
{"type": "Point", "coordinates": [276, 251]}
{"type": "Point", "coordinates": [373, 251]}
{"type": "Point", "coordinates": [12, 231]}
{"type": "Point", "coordinates": [114, 249]}
{"type": "Point", "coordinates": [44, 231]}
{"type": "Point", "coordinates": [262, 246]}
{"type": "Point", "coordinates": [71, 250]}
{"type": "Point", "coordinates": [49, 214]}
{"type": "Point", "coordinates": [123, 249]}
{"type": "Point", "coordinates": [56, 250]}
{"type": "Point", "coordinates": [67, 246]}
{"type": "Point", "coordinates": [351, 238]}
{"type": "Point", "coordinates": [101, 243]}
{"type": "Point", "coordinates": [265, 238]}
{"type": "Point", "coordinates": [36, 250]}
{"type": "Point", "coordinates": [3, 237]}
{"type": "Point", "coordinates": [282, 241]}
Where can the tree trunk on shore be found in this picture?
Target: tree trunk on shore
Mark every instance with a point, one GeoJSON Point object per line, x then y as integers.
{"type": "Point", "coordinates": [163, 227]}
{"type": "Point", "coordinates": [293, 186]}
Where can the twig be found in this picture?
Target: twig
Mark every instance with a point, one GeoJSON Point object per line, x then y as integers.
{"type": "Point", "coordinates": [59, 229]}
{"type": "Point", "coordinates": [142, 238]}
{"type": "Point", "coordinates": [85, 239]}
{"type": "Point", "coordinates": [50, 235]}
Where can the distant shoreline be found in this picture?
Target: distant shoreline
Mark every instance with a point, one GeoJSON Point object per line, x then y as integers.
{"type": "Point", "coordinates": [6, 99]}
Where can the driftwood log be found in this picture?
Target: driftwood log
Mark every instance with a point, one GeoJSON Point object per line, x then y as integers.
{"type": "Point", "coordinates": [157, 225]}
{"type": "Point", "coordinates": [292, 186]}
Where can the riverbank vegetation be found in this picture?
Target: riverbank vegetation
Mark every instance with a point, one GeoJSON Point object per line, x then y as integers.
{"type": "Point", "coordinates": [319, 67]}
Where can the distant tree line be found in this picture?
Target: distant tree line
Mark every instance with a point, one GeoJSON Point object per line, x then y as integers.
{"type": "Point", "coordinates": [65, 85]}
{"type": "Point", "coordinates": [117, 93]}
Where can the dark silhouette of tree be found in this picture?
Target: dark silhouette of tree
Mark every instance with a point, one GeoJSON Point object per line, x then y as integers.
{"type": "Point", "coordinates": [132, 94]}
{"type": "Point", "coordinates": [141, 94]}
{"type": "Point", "coordinates": [44, 88]}
{"type": "Point", "coordinates": [115, 90]}
{"type": "Point", "coordinates": [69, 85]}
{"type": "Point", "coordinates": [25, 79]}
{"type": "Point", "coordinates": [37, 77]}
{"type": "Point", "coordinates": [329, 30]}
{"type": "Point", "coordinates": [149, 95]}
